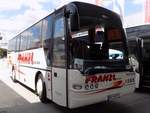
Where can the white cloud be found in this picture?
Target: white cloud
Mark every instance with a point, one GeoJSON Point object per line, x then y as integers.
{"type": "Point", "coordinates": [13, 25]}
{"type": "Point", "coordinates": [20, 22]}
{"type": "Point", "coordinates": [138, 1]}
{"type": "Point", "coordinates": [57, 3]}
{"type": "Point", "coordinates": [32, 4]}
{"type": "Point", "coordinates": [10, 4]}
{"type": "Point", "coordinates": [131, 20]}
{"type": "Point", "coordinates": [107, 3]}
{"type": "Point", "coordinates": [43, 1]}
{"type": "Point", "coordinates": [6, 5]}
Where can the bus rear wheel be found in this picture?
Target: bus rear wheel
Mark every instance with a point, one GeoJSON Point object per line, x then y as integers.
{"type": "Point", "coordinates": [41, 89]}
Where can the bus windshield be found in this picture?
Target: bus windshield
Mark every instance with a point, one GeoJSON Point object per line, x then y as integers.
{"type": "Point", "coordinates": [98, 45]}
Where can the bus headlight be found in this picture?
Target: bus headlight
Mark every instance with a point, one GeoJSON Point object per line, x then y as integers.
{"type": "Point", "coordinates": [77, 86]}
{"type": "Point", "coordinates": [128, 67]}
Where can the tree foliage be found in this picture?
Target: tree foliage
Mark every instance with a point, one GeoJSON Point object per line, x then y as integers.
{"type": "Point", "coordinates": [3, 53]}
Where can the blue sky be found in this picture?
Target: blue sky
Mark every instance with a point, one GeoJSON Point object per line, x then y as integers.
{"type": "Point", "coordinates": [131, 7]}
{"type": "Point", "coordinates": [16, 15]}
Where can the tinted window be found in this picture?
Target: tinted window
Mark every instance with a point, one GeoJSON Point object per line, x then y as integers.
{"type": "Point", "coordinates": [23, 41]}
{"type": "Point", "coordinates": [93, 44]}
{"type": "Point", "coordinates": [12, 44]}
{"type": "Point", "coordinates": [35, 36]}
{"type": "Point", "coordinates": [46, 30]}
{"type": "Point", "coordinates": [28, 36]}
{"type": "Point", "coordinates": [132, 47]}
{"type": "Point", "coordinates": [46, 36]}
{"type": "Point", "coordinates": [59, 43]}
{"type": "Point", "coordinates": [59, 28]}
{"type": "Point", "coordinates": [18, 43]}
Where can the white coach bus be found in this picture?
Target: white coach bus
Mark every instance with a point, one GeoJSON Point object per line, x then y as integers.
{"type": "Point", "coordinates": [65, 56]}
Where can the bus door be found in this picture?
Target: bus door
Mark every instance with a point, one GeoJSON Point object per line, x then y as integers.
{"type": "Point", "coordinates": [135, 54]}
{"type": "Point", "coordinates": [59, 62]}
{"type": "Point", "coordinates": [139, 71]}
{"type": "Point", "coordinates": [140, 55]}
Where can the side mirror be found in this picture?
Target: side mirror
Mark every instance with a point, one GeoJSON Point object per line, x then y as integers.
{"type": "Point", "coordinates": [74, 22]}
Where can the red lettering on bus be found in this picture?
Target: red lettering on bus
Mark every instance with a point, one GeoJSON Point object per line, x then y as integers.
{"type": "Point", "coordinates": [93, 79]}
{"type": "Point", "coordinates": [106, 77]}
{"type": "Point", "coordinates": [26, 58]}
{"type": "Point", "coordinates": [100, 78]}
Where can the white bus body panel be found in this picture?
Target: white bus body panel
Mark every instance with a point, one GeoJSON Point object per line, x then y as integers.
{"type": "Point", "coordinates": [81, 96]}
{"type": "Point", "coordinates": [26, 70]}
{"type": "Point", "coordinates": [48, 83]}
{"type": "Point", "coordinates": [59, 86]}
{"type": "Point", "coordinates": [137, 80]}
{"type": "Point", "coordinates": [56, 82]}
{"type": "Point", "coordinates": [135, 64]}
{"type": "Point", "coordinates": [28, 63]}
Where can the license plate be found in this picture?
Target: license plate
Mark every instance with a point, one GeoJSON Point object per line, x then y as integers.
{"type": "Point", "coordinates": [113, 96]}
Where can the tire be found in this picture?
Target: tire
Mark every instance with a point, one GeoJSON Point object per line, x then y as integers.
{"type": "Point", "coordinates": [41, 88]}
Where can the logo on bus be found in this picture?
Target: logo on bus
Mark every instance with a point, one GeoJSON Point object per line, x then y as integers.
{"type": "Point", "coordinates": [25, 58]}
{"type": "Point", "coordinates": [100, 78]}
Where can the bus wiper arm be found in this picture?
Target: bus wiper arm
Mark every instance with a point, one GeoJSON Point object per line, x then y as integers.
{"type": "Point", "coordinates": [96, 69]}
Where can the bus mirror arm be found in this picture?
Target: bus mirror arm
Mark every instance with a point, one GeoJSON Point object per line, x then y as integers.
{"type": "Point", "coordinates": [72, 13]}
{"type": "Point", "coordinates": [74, 22]}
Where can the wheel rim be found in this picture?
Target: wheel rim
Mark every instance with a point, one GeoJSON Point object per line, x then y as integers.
{"type": "Point", "coordinates": [39, 87]}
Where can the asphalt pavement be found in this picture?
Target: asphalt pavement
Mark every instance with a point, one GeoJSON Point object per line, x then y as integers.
{"type": "Point", "coordinates": [9, 98]}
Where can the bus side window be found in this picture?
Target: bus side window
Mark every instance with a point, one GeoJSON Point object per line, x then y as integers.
{"type": "Point", "coordinates": [47, 38]}
{"type": "Point", "coordinates": [59, 58]}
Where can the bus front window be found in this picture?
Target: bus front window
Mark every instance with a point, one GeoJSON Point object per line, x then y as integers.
{"type": "Point", "coordinates": [93, 47]}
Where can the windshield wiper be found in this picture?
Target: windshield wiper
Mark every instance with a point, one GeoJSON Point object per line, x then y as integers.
{"type": "Point", "coordinates": [102, 69]}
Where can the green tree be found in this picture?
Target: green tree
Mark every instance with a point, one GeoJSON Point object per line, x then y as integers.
{"type": "Point", "coordinates": [2, 53]}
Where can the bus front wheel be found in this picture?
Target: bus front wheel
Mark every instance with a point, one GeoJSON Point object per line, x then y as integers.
{"type": "Point", "coordinates": [41, 89]}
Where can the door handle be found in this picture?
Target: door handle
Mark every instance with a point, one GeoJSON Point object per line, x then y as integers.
{"type": "Point", "coordinates": [55, 74]}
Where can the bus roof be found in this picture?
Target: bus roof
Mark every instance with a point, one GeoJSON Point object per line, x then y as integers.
{"type": "Point", "coordinates": [84, 9]}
